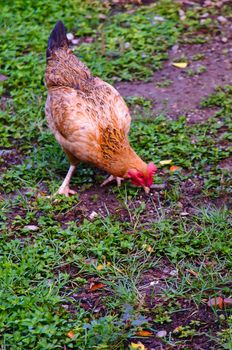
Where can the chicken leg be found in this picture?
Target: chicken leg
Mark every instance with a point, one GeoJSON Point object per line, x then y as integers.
{"type": "Point", "coordinates": [111, 178]}
{"type": "Point", "coordinates": [64, 188]}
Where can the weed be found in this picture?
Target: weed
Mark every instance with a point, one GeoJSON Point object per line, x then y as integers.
{"type": "Point", "coordinates": [225, 336]}
{"type": "Point", "coordinates": [164, 83]}
{"type": "Point", "coordinates": [199, 70]}
{"type": "Point", "coordinates": [49, 252]}
{"type": "Point", "coordinates": [198, 57]}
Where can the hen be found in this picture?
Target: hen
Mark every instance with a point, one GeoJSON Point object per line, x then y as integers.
{"type": "Point", "coordinates": [89, 118]}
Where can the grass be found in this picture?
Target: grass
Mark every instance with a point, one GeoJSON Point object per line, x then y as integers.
{"type": "Point", "coordinates": [190, 147]}
{"type": "Point", "coordinates": [68, 282]}
{"type": "Point", "coordinates": [38, 291]}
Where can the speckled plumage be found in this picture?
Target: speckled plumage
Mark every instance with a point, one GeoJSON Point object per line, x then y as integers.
{"type": "Point", "coordinates": [88, 117]}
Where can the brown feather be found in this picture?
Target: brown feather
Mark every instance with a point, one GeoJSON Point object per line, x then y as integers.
{"type": "Point", "coordinates": [88, 117]}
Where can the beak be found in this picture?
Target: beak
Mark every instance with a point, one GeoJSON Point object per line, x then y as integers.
{"type": "Point", "coordinates": [146, 189]}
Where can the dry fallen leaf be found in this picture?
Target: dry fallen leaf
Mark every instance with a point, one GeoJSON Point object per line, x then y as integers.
{"type": "Point", "coordinates": [43, 194]}
{"type": "Point", "coordinates": [228, 302]}
{"type": "Point", "coordinates": [220, 302]}
{"type": "Point", "coordinates": [102, 16]}
{"type": "Point", "coordinates": [165, 162]}
{"type": "Point", "coordinates": [184, 213]}
{"type": "Point", "coordinates": [96, 286]}
{"type": "Point", "coordinates": [174, 168]}
{"type": "Point", "coordinates": [217, 301]}
{"type": "Point", "coordinates": [161, 334]}
{"type": "Point", "coordinates": [144, 333]}
{"type": "Point", "coordinates": [93, 215]}
{"type": "Point", "coordinates": [180, 64]}
{"type": "Point", "coordinates": [192, 272]}
{"type": "Point", "coordinates": [137, 346]}
{"type": "Point", "coordinates": [71, 334]}
{"type": "Point", "coordinates": [31, 227]}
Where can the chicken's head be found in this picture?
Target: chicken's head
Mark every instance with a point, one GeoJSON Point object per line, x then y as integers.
{"type": "Point", "coordinates": [139, 178]}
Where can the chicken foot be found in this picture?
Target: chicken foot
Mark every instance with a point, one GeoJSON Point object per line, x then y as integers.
{"type": "Point", "coordinates": [64, 188]}
{"type": "Point", "coordinates": [112, 178]}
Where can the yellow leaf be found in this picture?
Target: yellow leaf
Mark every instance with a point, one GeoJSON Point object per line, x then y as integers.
{"type": "Point", "coordinates": [100, 267]}
{"type": "Point", "coordinates": [180, 64]}
{"type": "Point", "coordinates": [165, 162]}
{"type": "Point", "coordinates": [137, 346]}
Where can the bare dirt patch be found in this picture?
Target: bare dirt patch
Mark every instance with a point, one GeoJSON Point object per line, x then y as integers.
{"type": "Point", "coordinates": [227, 164]}
{"type": "Point", "coordinates": [200, 320]}
{"type": "Point", "coordinates": [186, 87]}
{"type": "Point", "coordinates": [9, 157]}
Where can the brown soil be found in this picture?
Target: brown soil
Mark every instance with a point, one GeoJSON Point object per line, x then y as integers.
{"type": "Point", "coordinates": [9, 157]}
{"type": "Point", "coordinates": [101, 202]}
{"type": "Point", "coordinates": [182, 97]}
{"type": "Point", "coordinates": [186, 91]}
{"type": "Point", "coordinates": [153, 283]}
{"type": "Point", "coordinates": [201, 340]}
{"type": "Point", "coordinates": [200, 319]}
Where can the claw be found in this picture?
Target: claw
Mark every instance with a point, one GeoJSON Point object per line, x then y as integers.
{"type": "Point", "coordinates": [64, 188]}
{"type": "Point", "coordinates": [66, 191]}
{"type": "Point", "coordinates": [111, 178]}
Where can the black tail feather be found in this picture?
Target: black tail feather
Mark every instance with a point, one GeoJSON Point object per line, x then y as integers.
{"type": "Point", "coordinates": [57, 38]}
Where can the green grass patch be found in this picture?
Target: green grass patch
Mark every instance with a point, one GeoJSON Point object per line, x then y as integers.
{"type": "Point", "coordinates": [37, 292]}
{"type": "Point", "coordinates": [50, 252]}
{"type": "Point", "coordinates": [127, 44]}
